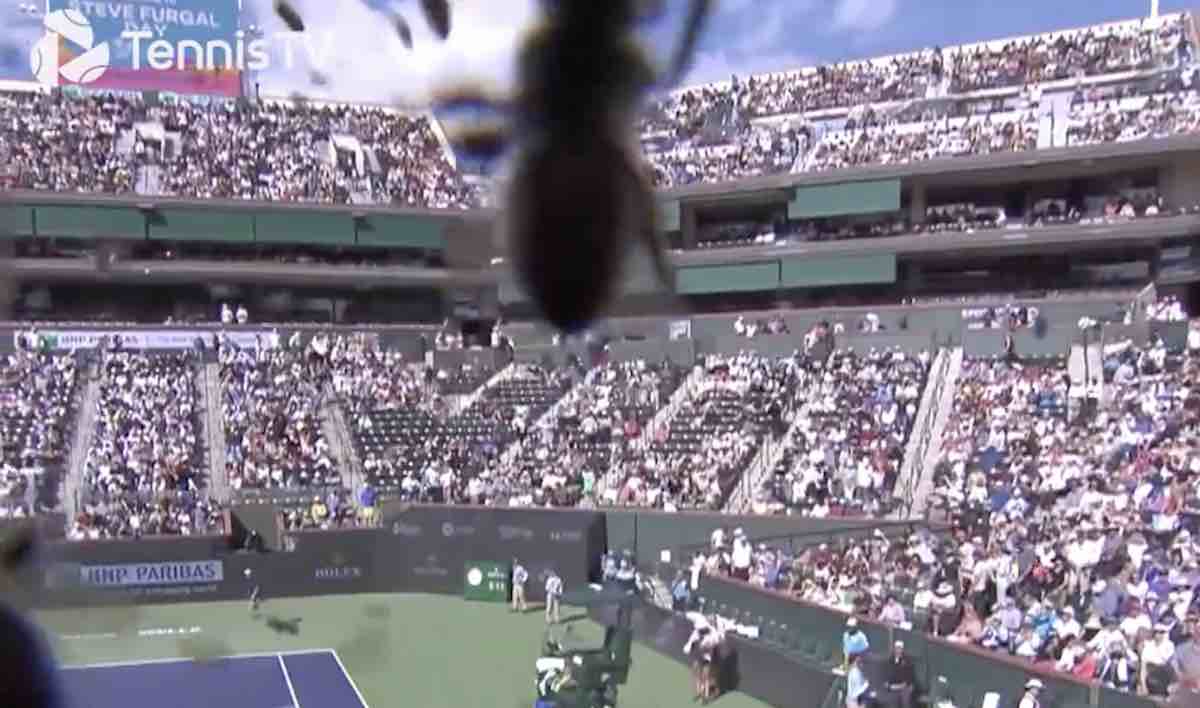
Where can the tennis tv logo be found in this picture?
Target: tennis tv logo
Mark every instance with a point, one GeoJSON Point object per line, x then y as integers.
{"type": "Point", "coordinates": [68, 51]}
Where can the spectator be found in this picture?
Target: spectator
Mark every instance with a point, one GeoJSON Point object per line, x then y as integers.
{"type": "Point", "coordinates": [144, 472]}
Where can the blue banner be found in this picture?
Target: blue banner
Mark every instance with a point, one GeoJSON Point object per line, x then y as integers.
{"type": "Point", "coordinates": [92, 52]}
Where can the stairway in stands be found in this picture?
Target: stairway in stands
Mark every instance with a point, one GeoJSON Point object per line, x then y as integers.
{"type": "Point", "coordinates": [341, 442]}
{"type": "Point", "coordinates": [81, 442]}
{"type": "Point", "coordinates": [923, 484]}
{"type": "Point", "coordinates": [214, 429]}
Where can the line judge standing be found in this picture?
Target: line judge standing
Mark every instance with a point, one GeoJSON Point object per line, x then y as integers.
{"type": "Point", "coordinates": [520, 576]}
{"type": "Point", "coordinates": [554, 591]}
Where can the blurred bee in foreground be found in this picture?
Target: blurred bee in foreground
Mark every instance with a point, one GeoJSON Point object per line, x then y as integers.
{"type": "Point", "coordinates": [579, 197]}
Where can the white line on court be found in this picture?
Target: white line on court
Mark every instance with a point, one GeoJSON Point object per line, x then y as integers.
{"type": "Point", "coordinates": [180, 659]}
{"type": "Point", "coordinates": [288, 680]}
{"type": "Point", "coordinates": [349, 678]}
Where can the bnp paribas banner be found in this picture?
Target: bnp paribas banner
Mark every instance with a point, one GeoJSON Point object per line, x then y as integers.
{"type": "Point", "coordinates": [180, 46]}
{"type": "Point", "coordinates": [70, 339]}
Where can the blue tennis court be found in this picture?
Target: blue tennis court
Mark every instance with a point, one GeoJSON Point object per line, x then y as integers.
{"type": "Point", "coordinates": [310, 679]}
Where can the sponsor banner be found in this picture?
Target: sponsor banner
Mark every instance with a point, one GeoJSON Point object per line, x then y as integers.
{"type": "Point", "coordinates": [76, 583]}
{"type": "Point", "coordinates": [206, 23]}
{"type": "Point", "coordinates": [339, 570]}
{"type": "Point", "coordinates": [400, 528]}
{"type": "Point", "coordinates": [515, 533]}
{"type": "Point", "coordinates": [151, 574]}
{"type": "Point", "coordinates": [566, 536]}
{"type": "Point", "coordinates": [219, 82]}
{"type": "Point", "coordinates": [431, 566]}
{"type": "Point", "coordinates": [486, 581]}
{"type": "Point", "coordinates": [451, 530]}
{"type": "Point", "coordinates": [431, 548]}
{"type": "Point", "coordinates": [68, 339]}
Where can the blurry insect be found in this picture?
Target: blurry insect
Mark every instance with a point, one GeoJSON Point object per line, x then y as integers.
{"type": "Point", "coordinates": [437, 14]}
{"type": "Point", "coordinates": [288, 14]}
{"type": "Point", "coordinates": [579, 197]}
{"type": "Point", "coordinates": [403, 31]}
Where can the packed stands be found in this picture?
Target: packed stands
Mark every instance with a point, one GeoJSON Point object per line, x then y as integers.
{"type": "Point", "coordinates": [37, 405]}
{"type": "Point", "coordinates": [144, 473]}
{"type": "Point", "coordinates": [271, 402]}
{"type": "Point", "coordinates": [1116, 82]}
{"type": "Point", "coordinates": [264, 150]}
{"type": "Point", "coordinates": [1073, 548]}
{"type": "Point", "coordinates": [844, 451]}
{"type": "Point", "coordinates": [926, 105]}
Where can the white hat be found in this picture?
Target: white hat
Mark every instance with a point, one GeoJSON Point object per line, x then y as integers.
{"type": "Point", "coordinates": [1034, 683]}
{"type": "Point", "coordinates": [852, 622]}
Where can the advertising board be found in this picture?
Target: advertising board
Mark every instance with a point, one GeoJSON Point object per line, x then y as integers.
{"type": "Point", "coordinates": [68, 339]}
{"type": "Point", "coordinates": [486, 581]}
{"type": "Point", "coordinates": [150, 580]}
{"type": "Point", "coordinates": [123, 64]}
{"type": "Point", "coordinates": [429, 548]}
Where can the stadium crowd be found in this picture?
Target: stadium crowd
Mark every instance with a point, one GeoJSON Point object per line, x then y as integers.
{"type": "Point", "coordinates": [601, 419]}
{"type": "Point", "coordinates": [848, 436]}
{"type": "Point", "coordinates": [896, 110]}
{"type": "Point", "coordinates": [36, 403]}
{"type": "Point", "coordinates": [1073, 545]}
{"type": "Point", "coordinates": [915, 107]}
{"type": "Point", "coordinates": [695, 460]}
{"type": "Point", "coordinates": [270, 406]}
{"type": "Point", "coordinates": [144, 472]}
{"type": "Point", "coordinates": [262, 150]}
